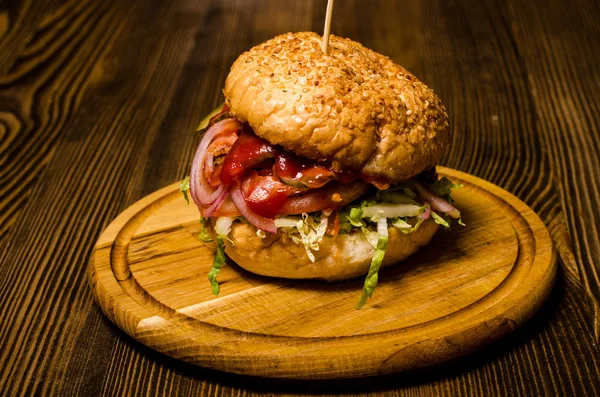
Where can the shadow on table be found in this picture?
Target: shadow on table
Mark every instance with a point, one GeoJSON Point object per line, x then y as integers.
{"type": "Point", "coordinates": [447, 370]}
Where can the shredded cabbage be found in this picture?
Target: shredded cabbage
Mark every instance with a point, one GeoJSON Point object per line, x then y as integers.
{"type": "Point", "coordinates": [261, 233]}
{"type": "Point", "coordinates": [391, 211]}
{"type": "Point", "coordinates": [308, 231]}
{"type": "Point", "coordinates": [223, 225]}
{"type": "Point", "coordinates": [291, 221]}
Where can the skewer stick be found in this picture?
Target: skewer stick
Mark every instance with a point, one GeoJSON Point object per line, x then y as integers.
{"type": "Point", "coordinates": [327, 29]}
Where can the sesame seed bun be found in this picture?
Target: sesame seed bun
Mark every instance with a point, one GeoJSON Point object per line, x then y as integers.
{"type": "Point", "coordinates": [343, 257]}
{"type": "Point", "coordinates": [353, 108]}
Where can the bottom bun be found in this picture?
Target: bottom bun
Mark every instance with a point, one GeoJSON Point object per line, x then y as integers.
{"type": "Point", "coordinates": [340, 258]}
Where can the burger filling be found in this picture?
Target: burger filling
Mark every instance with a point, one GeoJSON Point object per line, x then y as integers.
{"type": "Point", "coordinates": [238, 176]}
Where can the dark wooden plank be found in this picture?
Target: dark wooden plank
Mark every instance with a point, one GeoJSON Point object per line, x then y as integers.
{"type": "Point", "coordinates": [565, 80]}
{"type": "Point", "coordinates": [87, 179]}
{"type": "Point", "coordinates": [98, 103]}
{"type": "Point", "coordinates": [41, 83]}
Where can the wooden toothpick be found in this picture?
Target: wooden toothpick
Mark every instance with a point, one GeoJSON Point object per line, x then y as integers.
{"type": "Point", "coordinates": [327, 29]}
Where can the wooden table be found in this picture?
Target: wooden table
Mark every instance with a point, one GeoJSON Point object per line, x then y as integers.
{"type": "Point", "coordinates": [98, 105]}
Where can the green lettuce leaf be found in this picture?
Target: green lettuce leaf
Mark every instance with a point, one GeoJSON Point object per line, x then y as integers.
{"type": "Point", "coordinates": [396, 197]}
{"type": "Point", "coordinates": [184, 186]}
{"type": "Point", "coordinates": [439, 220]}
{"type": "Point", "coordinates": [373, 275]}
{"type": "Point", "coordinates": [409, 192]}
{"type": "Point", "coordinates": [443, 187]}
{"type": "Point", "coordinates": [355, 217]}
{"type": "Point", "coordinates": [204, 123]}
{"type": "Point", "coordinates": [218, 263]}
{"type": "Point", "coordinates": [405, 227]}
{"type": "Point", "coordinates": [345, 225]}
{"type": "Point", "coordinates": [204, 235]}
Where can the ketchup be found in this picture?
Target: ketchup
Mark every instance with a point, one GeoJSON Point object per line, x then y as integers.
{"type": "Point", "coordinates": [265, 195]}
{"type": "Point", "coordinates": [247, 152]}
{"type": "Point", "coordinates": [301, 173]}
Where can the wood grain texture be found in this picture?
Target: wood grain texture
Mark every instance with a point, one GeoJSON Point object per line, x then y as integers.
{"type": "Point", "coordinates": [149, 274]}
{"type": "Point", "coordinates": [98, 101]}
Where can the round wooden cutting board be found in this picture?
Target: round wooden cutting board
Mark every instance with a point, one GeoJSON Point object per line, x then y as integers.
{"type": "Point", "coordinates": [467, 288]}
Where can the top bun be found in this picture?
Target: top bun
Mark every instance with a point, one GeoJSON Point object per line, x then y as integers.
{"type": "Point", "coordinates": [353, 108]}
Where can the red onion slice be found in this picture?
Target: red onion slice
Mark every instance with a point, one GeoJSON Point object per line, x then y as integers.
{"type": "Point", "coordinates": [208, 212]}
{"type": "Point", "coordinates": [202, 193]}
{"type": "Point", "coordinates": [227, 208]}
{"type": "Point", "coordinates": [436, 202]}
{"type": "Point", "coordinates": [425, 215]}
{"type": "Point", "coordinates": [260, 222]}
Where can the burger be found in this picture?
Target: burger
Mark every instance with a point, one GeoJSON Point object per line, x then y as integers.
{"type": "Point", "coordinates": [320, 165]}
